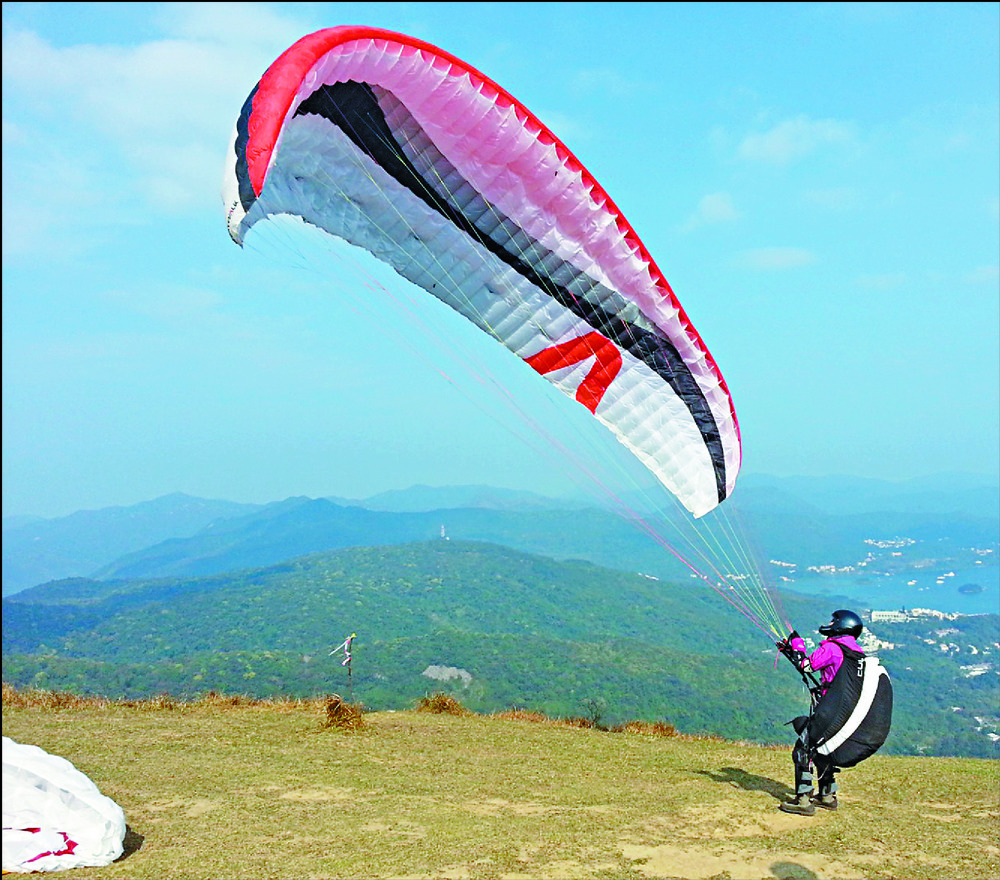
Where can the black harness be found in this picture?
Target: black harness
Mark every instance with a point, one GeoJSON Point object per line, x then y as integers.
{"type": "Point", "coordinates": [851, 720]}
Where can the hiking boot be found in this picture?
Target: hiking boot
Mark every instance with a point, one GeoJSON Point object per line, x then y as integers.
{"type": "Point", "coordinates": [826, 801]}
{"type": "Point", "coordinates": [802, 805]}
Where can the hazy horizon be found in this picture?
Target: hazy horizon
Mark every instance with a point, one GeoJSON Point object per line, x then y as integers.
{"type": "Point", "coordinates": [932, 482]}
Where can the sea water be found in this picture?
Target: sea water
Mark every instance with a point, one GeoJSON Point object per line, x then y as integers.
{"type": "Point", "coordinates": [928, 588]}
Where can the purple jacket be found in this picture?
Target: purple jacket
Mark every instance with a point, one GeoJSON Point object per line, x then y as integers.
{"type": "Point", "coordinates": [826, 659]}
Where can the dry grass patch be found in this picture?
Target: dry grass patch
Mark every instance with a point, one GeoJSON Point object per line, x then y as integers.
{"type": "Point", "coordinates": [641, 728]}
{"type": "Point", "coordinates": [647, 728]}
{"type": "Point", "coordinates": [342, 715]}
{"type": "Point", "coordinates": [523, 715]}
{"type": "Point", "coordinates": [441, 704]}
{"type": "Point", "coordinates": [237, 788]}
{"type": "Point", "coordinates": [36, 698]}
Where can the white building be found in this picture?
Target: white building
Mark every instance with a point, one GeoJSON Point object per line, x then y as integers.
{"type": "Point", "coordinates": [890, 616]}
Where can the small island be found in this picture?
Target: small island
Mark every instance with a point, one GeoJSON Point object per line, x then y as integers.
{"type": "Point", "coordinates": [970, 589]}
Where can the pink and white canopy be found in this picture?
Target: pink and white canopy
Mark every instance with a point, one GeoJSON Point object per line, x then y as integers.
{"type": "Point", "coordinates": [408, 152]}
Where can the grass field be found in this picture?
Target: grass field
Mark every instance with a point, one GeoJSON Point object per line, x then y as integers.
{"type": "Point", "coordinates": [240, 789]}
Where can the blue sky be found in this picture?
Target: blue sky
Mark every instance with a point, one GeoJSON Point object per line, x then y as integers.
{"type": "Point", "coordinates": [819, 183]}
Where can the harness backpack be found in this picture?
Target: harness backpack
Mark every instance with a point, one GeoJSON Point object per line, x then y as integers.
{"type": "Point", "coordinates": [851, 721]}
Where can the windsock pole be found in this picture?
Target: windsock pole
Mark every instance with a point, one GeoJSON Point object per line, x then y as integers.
{"type": "Point", "coordinates": [345, 646]}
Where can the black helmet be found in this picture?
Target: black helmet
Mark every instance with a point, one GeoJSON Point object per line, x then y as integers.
{"type": "Point", "coordinates": [843, 623]}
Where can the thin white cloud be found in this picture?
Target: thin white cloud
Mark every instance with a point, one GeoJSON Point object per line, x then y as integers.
{"type": "Point", "coordinates": [888, 281]}
{"type": "Point", "coordinates": [254, 26]}
{"type": "Point", "coordinates": [14, 134]}
{"type": "Point", "coordinates": [567, 128]}
{"type": "Point", "coordinates": [795, 138]}
{"type": "Point", "coordinates": [176, 304]}
{"type": "Point", "coordinates": [143, 128]}
{"type": "Point", "coordinates": [713, 208]}
{"type": "Point", "coordinates": [775, 259]}
{"type": "Point", "coordinates": [982, 275]}
{"type": "Point", "coordinates": [883, 282]}
{"type": "Point", "coordinates": [607, 81]}
{"type": "Point", "coordinates": [170, 90]}
{"type": "Point", "coordinates": [841, 198]}
{"type": "Point", "coordinates": [51, 194]}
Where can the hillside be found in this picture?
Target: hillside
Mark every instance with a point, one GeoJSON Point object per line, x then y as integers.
{"type": "Point", "coordinates": [496, 627]}
{"type": "Point", "coordinates": [811, 522]}
{"type": "Point", "coordinates": [39, 550]}
{"type": "Point", "coordinates": [265, 791]}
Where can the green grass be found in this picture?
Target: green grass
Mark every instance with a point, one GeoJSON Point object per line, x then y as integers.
{"type": "Point", "coordinates": [244, 790]}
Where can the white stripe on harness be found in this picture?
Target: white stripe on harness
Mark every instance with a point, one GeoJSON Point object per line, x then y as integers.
{"type": "Point", "coordinates": [871, 672]}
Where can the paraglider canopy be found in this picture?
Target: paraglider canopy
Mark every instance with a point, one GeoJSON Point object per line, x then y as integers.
{"type": "Point", "coordinates": [408, 152]}
{"type": "Point", "coordinates": [54, 816]}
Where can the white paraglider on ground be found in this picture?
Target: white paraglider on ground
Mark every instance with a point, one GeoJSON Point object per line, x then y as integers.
{"type": "Point", "coordinates": [54, 816]}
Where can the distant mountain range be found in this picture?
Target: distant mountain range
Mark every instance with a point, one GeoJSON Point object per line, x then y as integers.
{"type": "Point", "coordinates": [36, 550]}
{"type": "Point", "coordinates": [813, 520]}
{"type": "Point", "coordinates": [962, 494]}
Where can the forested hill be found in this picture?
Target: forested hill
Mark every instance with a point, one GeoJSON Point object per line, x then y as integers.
{"type": "Point", "coordinates": [179, 536]}
{"type": "Point", "coordinates": [498, 627]}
